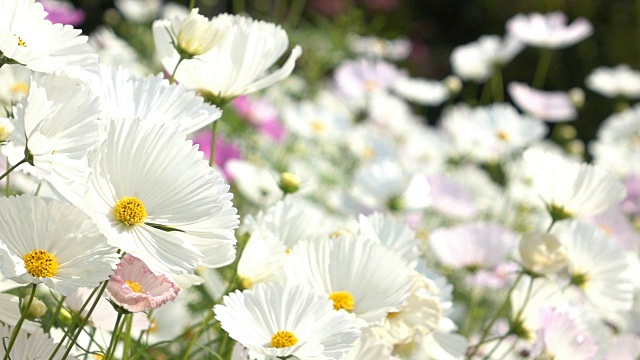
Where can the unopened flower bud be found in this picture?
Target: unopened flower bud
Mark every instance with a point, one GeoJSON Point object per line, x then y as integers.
{"type": "Point", "coordinates": [36, 310]}
{"type": "Point", "coordinates": [453, 83]}
{"type": "Point", "coordinates": [197, 35]}
{"type": "Point", "coordinates": [289, 183]}
{"type": "Point", "coordinates": [542, 253]}
{"type": "Point", "coordinates": [576, 95]}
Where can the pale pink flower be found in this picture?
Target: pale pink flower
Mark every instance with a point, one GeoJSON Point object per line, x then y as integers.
{"type": "Point", "coordinates": [548, 30]}
{"type": "Point", "coordinates": [134, 287]}
{"type": "Point", "coordinates": [563, 337]}
{"type": "Point", "coordinates": [104, 315]}
{"type": "Point", "coordinates": [358, 78]}
{"type": "Point", "coordinates": [550, 106]}
{"type": "Point", "coordinates": [450, 198]}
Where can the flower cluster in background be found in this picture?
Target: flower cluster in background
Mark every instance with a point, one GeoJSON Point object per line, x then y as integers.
{"type": "Point", "coordinates": [214, 198]}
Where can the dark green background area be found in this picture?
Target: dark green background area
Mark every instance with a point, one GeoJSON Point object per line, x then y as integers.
{"type": "Point", "coordinates": [436, 27]}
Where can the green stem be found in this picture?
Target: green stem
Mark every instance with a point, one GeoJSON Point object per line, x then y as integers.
{"type": "Point", "coordinates": [114, 338]}
{"type": "Point", "coordinates": [497, 86]}
{"type": "Point", "coordinates": [73, 321]}
{"type": "Point", "coordinates": [495, 318]}
{"type": "Point", "coordinates": [23, 315]}
{"type": "Point", "coordinates": [295, 12]}
{"type": "Point", "coordinates": [56, 312]}
{"type": "Point", "coordinates": [542, 69]}
{"type": "Point", "coordinates": [175, 69]}
{"type": "Point", "coordinates": [214, 130]}
{"type": "Point", "coordinates": [12, 168]}
{"type": "Point", "coordinates": [127, 336]}
{"type": "Point", "coordinates": [192, 4]}
{"type": "Point", "coordinates": [85, 320]}
{"type": "Point", "coordinates": [195, 337]}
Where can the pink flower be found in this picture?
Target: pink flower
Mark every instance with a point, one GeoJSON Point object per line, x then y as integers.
{"type": "Point", "coordinates": [547, 105]}
{"type": "Point", "coordinates": [356, 79]}
{"type": "Point", "coordinates": [62, 12]}
{"type": "Point", "coordinates": [631, 203]}
{"type": "Point", "coordinates": [261, 114]}
{"type": "Point", "coordinates": [450, 198]}
{"type": "Point", "coordinates": [224, 151]}
{"type": "Point", "coordinates": [134, 287]}
{"type": "Point", "coordinates": [548, 30]}
{"type": "Point", "coordinates": [562, 336]}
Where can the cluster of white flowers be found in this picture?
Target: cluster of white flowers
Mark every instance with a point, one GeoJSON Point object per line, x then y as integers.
{"type": "Point", "coordinates": [188, 214]}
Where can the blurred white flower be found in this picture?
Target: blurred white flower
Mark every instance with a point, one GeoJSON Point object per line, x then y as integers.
{"type": "Point", "coordinates": [548, 30]}
{"type": "Point", "coordinates": [141, 11]}
{"type": "Point", "coordinates": [476, 61]}
{"type": "Point", "coordinates": [621, 80]}
{"type": "Point", "coordinates": [546, 105]}
{"type": "Point", "coordinates": [14, 84]}
{"type": "Point", "coordinates": [421, 91]}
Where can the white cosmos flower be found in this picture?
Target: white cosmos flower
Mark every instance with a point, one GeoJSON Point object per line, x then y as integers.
{"type": "Point", "coordinates": [52, 243]}
{"type": "Point", "coordinates": [30, 345]}
{"type": "Point", "coordinates": [597, 265]}
{"type": "Point", "coordinates": [621, 80]}
{"type": "Point", "coordinates": [153, 99]}
{"type": "Point", "coordinates": [569, 188]}
{"type": "Point", "coordinates": [281, 320]}
{"type": "Point", "coordinates": [548, 30]}
{"type": "Point", "coordinates": [421, 91]}
{"type": "Point", "coordinates": [57, 123]}
{"type": "Point", "coordinates": [478, 60]}
{"type": "Point", "coordinates": [359, 275]}
{"type": "Point", "coordinates": [14, 84]}
{"type": "Point", "coordinates": [392, 233]}
{"type": "Point", "coordinates": [27, 38]}
{"type": "Point", "coordinates": [546, 105]}
{"type": "Point", "coordinates": [154, 196]}
{"type": "Point", "coordinates": [237, 65]}
{"type": "Point", "coordinates": [114, 51]}
{"type": "Point", "coordinates": [375, 47]}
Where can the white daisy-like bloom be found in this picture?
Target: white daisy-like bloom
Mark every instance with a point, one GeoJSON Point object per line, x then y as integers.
{"type": "Point", "coordinates": [369, 143]}
{"type": "Point", "coordinates": [427, 148]}
{"type": "Point", "coordinates": [621, 80]}
{"type": "Point", "coordinates": [289, 320]}
{"type": "Point", "coordinates": [548, 30]}
{"type": "Point", "coordinates": [450, 198]}
{"type": "Point", "coordinates": [30, 345]}
{"type": "Point", "coordinates": [312, 120]}
{"type": "Point", "coordinates": [237, 65]}
{"type": "Point", "coordinates": [375, 47]}
{"type": "Point", "coordinates": [258, 184]}
{"type": "Point", "coordinates": [141, 11]}
{"type": "Point", "coordinates": [569, 188]}
{"type": "Point", "coordinates": [384, 184]}
{"type": "Point", "coordinates": [168, 207]}
{"type": "Point", "coordinates": [422, 91]}
{"type": "Point", "coordinates": [262, 260]}
{"type": "Point", "coordinates": [14, 84]}
{"type": "Point", "coordinates": [115, 52]}
{"type": "Point", "coordinates": [546, 105]}
{"type": "Point", "coordinates": [420, 314]}
{"type": "Point", "coordinates": [27, 38]}
{"type": "Point", "coordinates": [392, 115]}
{"type": "Point", "coordinates": [126, 96]}
{"type": "Point", "coordinates": [473, 245]}
{"type": "Point", "coordinates": [291, 220]}
{"type": "Point", "coordinates": [6, 128]}
{"type": "Point", "coordinates": [52, 243]}
{"type": "Point", "coordinates": [487, 133]}
{"type": "Point", "coordinates": [392, 233]}
{"type": "Point", "coordinates": [360, 276]}
{"type": "Point", "coordinates": [620, 133]}
{"type": "Point", "coordinates": [476, 61]}
{"type": "Point", "coordinates": [55, 126]}
{"type": "Point", "coordinates": [562, 336]}
{"type": "Point", "coordinates": [597, 265]}
{"type": "Point", "coordinates": [371, 347]}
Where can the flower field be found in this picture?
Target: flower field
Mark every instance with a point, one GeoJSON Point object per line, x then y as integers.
{"type": "Point", "coordinates": [280, 182]}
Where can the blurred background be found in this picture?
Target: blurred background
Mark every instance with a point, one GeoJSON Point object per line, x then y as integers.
{"type": "Point", "coordinates": [434, 27]}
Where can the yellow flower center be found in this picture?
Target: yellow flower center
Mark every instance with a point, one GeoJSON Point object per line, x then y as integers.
{"type": "Point", "coordinates": [318, 126]}
{"type": "Point", "coordinates": [283, 339]}
{"type": "Point", "coordinates": [135, 286]}
{"type": "Point", "coordinates": [503, 135]}
{"type": "Point", "coordinates": [20, 41]}
{"type": "Point", "coordinates": [40, 263]}
{"type": "Point", "coordinates": [19, 88]}
{"type": "Point", "coordinates": [342, 300]}
{"type": "Point", "coordinates": [130, 210]}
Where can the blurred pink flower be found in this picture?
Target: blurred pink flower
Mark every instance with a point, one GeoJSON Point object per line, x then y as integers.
{"type": "Point", "coordinates": [617, 225]}
{"type": "Point", "coordinates": [551, 106]}
{"type": "Point", "coordinates": [361, 77]}
{"type": "Point", "coordinates": [450, 198]}
{"type": "Point", "coordinates": [548, 30]}
{"type": "Point", "coordinates": [631, 203]}
{"type": "Point", "coordinates": [136, 288]}
{"type": "Point", "coordinates": [561, 336]}
{"type": "Point", "coordinates": [261, 114]}
{"type": "Point", "coordinates": [225, 151]}
{"type": "Point", "coordinates": [62, 12]}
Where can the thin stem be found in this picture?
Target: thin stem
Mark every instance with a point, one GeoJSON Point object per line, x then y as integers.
{"type": "Point", "coordinates": [295, 12]}
{"type": "Point", "coordinates": [23, 315]}
{"type": "Point", "coordinates": [497, 86]}
{"type": "Point", "coordinates": [197, 334]}
{"type": "Point", "coordinates": [56, 312]}
{"type": "Point", "coordinates": [212, 154]}
{"type": "Point", "coordinates": [502, 309]}
{"type": "Point", "coordinates": [13, 168]}
{"type": "Point", "coordinates": [114, 338]}
{"type": "Point", "coordinates": [73, 321]}
{"type": "Point", "coordinates": [542, 69]}
{"type": "Point", "coordinates": [127, 336]}
{"type": "Point", "coordinates": [173, 74]}
{"type": "Point", "coordinates": [7, 186]}
{"type": "Point", "coordinates": [192, 4]}
{"type": "Point", "coordinates": [85, 320]}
